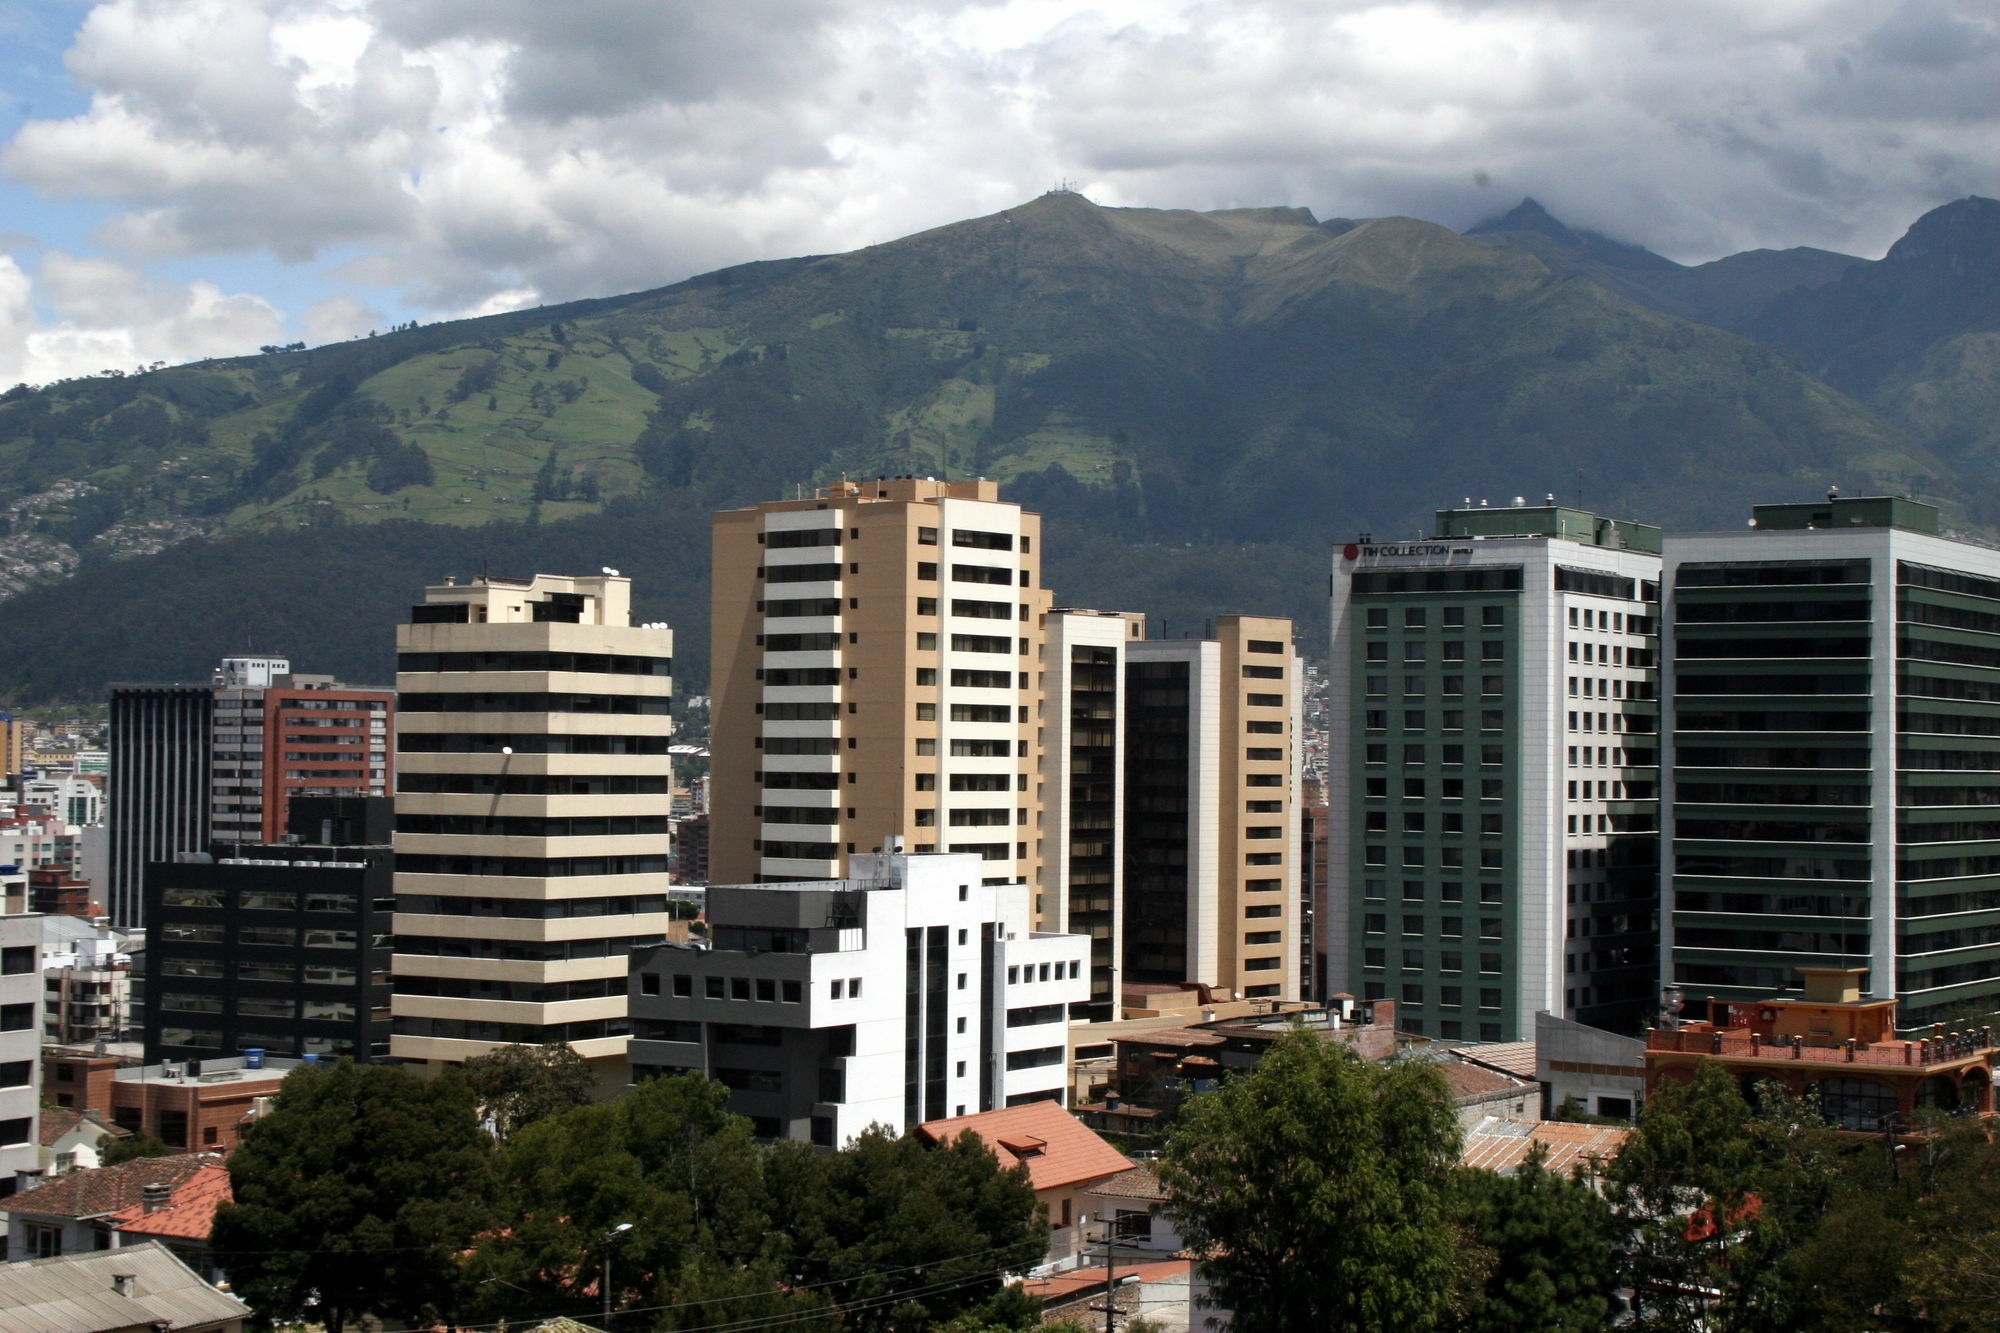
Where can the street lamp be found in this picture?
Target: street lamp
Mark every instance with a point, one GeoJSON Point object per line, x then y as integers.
{"type": "Point", "coordinates": [610, 1238]}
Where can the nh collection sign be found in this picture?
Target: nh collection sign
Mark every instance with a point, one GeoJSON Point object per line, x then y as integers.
{"type": "Point", "coordinates": [1353, 551]}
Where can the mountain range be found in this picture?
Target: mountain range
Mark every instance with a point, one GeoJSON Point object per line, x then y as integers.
{"type": "Point", "coordinates": [1199, 402]}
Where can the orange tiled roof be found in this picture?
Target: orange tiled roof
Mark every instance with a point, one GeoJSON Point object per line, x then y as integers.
{"type": "Point", "coordinates": [1057, 1148]}
{"type": "Point", "coordinates": [190, 1215]}
{"type": "Point", "coordinates": [60, 1120]}
{"type": "Point", "coordinates": [1472, 1083]}
{"type": "Point", "coordinates": [1079, 1280]}
{"type": "Point", "coordinates": [1503, 1145]}
{"type": "Point", "coordinates": [1141, 1182]}
{"type": "Point", "coordinates": [106, 1189]}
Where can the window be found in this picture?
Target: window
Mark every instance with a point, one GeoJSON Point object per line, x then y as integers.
{"type": "Point", "coordinates": [1378, 617]}
{"type": "Point", "coordinates": [1493, 615]}
{"type": "Point", "coordinates": [17, 959]}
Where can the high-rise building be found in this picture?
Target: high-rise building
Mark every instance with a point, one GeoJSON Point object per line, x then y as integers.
{"type": "Point", "coordinates": [1083, 788]}
{"type": "Point", "coordinates": [20, 1043]}
{"type": "Point", "coordinates": [160, 781]}
{"type": "Point", "coordinates": [1493, 733]}
{"type": "Point", "coordinates": [912, 991]}
{"type": "Point", "coordinates": [281, 948]}
{"type": "Point", "coordinates": [1834, 757]}
{"type": "Point", "coordinates": [13, 745]}
{"type": "Point", "coordinates": [278, 735]}
{"type": "Point", "coordinates": [531, 815]}
{"type": "Point", "coordinates": [876, 649]}
{"type": "Point", "coordinates": [1211, 888]}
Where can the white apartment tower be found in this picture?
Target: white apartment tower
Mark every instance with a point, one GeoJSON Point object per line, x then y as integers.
{"type": "Point", "coordinates": [531, 815]}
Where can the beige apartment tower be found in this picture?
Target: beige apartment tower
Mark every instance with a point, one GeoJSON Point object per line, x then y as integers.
{"type": "Point", "coordinates": [1211, 888]}
{"type": "Point", "coordinates": [531, 815]}
{"type": "Point", "coordinates": [876, 674]}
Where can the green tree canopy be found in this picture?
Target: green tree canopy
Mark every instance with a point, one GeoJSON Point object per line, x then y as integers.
{"type": "Point", "coordinates": [124, 1149]}
{"type": "Point", "coordinates": [356, 1194]}
{"type": "Point", "coordinates": [1318, 1185]}
{"type": "Point", "coordinates": [518, 1085]}
{"type": "Point", "coordinates": [1548, 1242]}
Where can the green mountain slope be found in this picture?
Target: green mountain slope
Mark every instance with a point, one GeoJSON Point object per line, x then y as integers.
{"type": "Point", "coordinates": [1153, 380]}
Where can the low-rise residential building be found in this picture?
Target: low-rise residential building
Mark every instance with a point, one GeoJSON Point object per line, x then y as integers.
{"type": "Point", "coordinates": [112, 1206]}
{"type": "Point", "coordinates": [1065, 1159]}
{"type": "Point", "coordinates": [911, 991]}
{"type": "Point", "coordinates": [190, 1105]}
{"type": "Point", "coordinates": [74, 1140]}
{"type": "Point", "coordinates": [1834, 1042]}
{"type": "Point", "coordinates": [141, 1288]}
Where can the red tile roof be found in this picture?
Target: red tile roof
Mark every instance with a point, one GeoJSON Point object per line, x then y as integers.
{"type": "Point", "coordinates": [1079, 1280]}
{"type": "Point", "coordinates": [1141, 1182]}
{"type": "Point", "coordinates": [1470, 1083]}
{"type": "Point", "coordinates": [1058, 1149]}
{"type": "Point", "coordinates": [106, 1189]}
{"type": "Point", "coordinates": [60, 1120]}
{"type": "Point", "coordinates": [190, 1215]}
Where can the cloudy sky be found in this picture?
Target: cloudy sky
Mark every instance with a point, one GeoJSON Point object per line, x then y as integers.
{"type": "Point", "coordinates": [183, 178]}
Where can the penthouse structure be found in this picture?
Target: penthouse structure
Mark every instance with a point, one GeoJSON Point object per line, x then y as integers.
{"type": "Point", "coordinates": [1493, 722]}
{"type": "Point", "coordinates": [910, 991]}
{"type": "Point", "coordinates": [531, 815]}
{"type": "Point", "coordinates": [1833, 715]}
{"type": "Point", "coordinates": [876, 652]}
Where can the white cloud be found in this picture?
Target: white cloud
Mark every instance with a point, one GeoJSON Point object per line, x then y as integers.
{"type": "Point", "coordinates": [338, 318]}
{"type": "Point", "coordinates": [474, 154]}
{"type": "Point", "coordinates": [106, 316]}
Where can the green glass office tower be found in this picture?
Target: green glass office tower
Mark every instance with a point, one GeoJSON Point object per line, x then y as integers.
{"type": "Point", "coordinates": [1834, 740]}
{"type": "Point", "coordinates": [1493, 742]}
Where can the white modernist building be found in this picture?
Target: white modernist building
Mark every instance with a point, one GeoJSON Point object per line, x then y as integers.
{"type": "Point", "coordinates": [910, 991]}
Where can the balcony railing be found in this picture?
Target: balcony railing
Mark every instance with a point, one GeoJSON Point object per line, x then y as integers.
{"type": "Point", "coordinates": [1751, 1046]}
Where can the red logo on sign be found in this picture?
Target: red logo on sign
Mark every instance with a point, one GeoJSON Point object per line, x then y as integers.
{"type": "Point", "coordinates": [1352, 552]}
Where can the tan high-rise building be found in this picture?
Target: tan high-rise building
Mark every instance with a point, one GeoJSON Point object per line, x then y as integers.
{"type": "Point", "coordinates": [876, 675]}
{"type": "Point", "coordinates": [531, 815]}
{"type": "Point", "coordinates": [1211, 811]}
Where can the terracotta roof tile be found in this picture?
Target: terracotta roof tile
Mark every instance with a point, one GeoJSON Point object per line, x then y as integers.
{"type": "Point", "coordinates": [1503, 1145]}
{"type": "Point", "coordinates": [1078, 1280]}
{"type": "Point", "coordinates": [190, 1215]}
{"type": "Point", "coordinates": [1472, 1083]}
{"type": "Point", "coordinates": [60, 1120]}
{"type": "Point", "coordinates": [1141, 1182]}
{"type": "Point", "coordinates": [106, 1189]}
{"type": "Point", "coordinates": [1057, 1148]}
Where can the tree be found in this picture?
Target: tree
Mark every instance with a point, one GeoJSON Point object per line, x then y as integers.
{"type": "Point", "coordinates": [118, 1150]}
{"type": "Point", "coordinates": [355, 1195]}
{"type": "Point", "coordinates": [904, 1235]}
{"type": "Point", "coordinates": [1713, 1197]}
{"type": "Point", "coordinates": [1318, 1187]}
{"type": "Point", "coordinates": [518, 1085]}
{"type": "Point", "coordinates": [1549, 1242]}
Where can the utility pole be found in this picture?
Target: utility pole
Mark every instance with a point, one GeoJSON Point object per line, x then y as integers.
{"type": "Point", "coordinates": [1110, 1274]}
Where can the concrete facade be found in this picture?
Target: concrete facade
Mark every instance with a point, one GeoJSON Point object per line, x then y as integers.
{"type": "Point", "coordinates": [911, 991]}
{"type": "Point", "coordinates": [531, 815]}
{"type": "Point", "coordinates": [20, 1046]}
{"type": "Point", "coordinates": [1493, 722]}
{"type": "Point", "coordinates": [876, 651]}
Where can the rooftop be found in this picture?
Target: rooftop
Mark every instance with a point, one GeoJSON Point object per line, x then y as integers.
{"type": "Point", "coordinates": [189, 1215]}
{"type": "Point", "coordinates": [85, 1293]}
{"type": "Point", "coordinates": [105, 1190]}
{"type": "Point", "coordinates": [1056, 1147]}
{"type": "Point", "coordinates": [1495, 1144]}
{"type": "Point", "coordinates": [60, 1120]}
{"type": "Point", "coordinates": [1141, 1182]}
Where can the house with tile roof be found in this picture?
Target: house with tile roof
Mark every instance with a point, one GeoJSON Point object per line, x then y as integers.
{"type": "Point", "coordinates": [1064, 1159]}
{"type": "Point", "coordinates": [138, 1289]}
{"type": "Point", "coordinates": [168, 1199]}
{"type": "Point", "coordinates": [74, 1140]}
